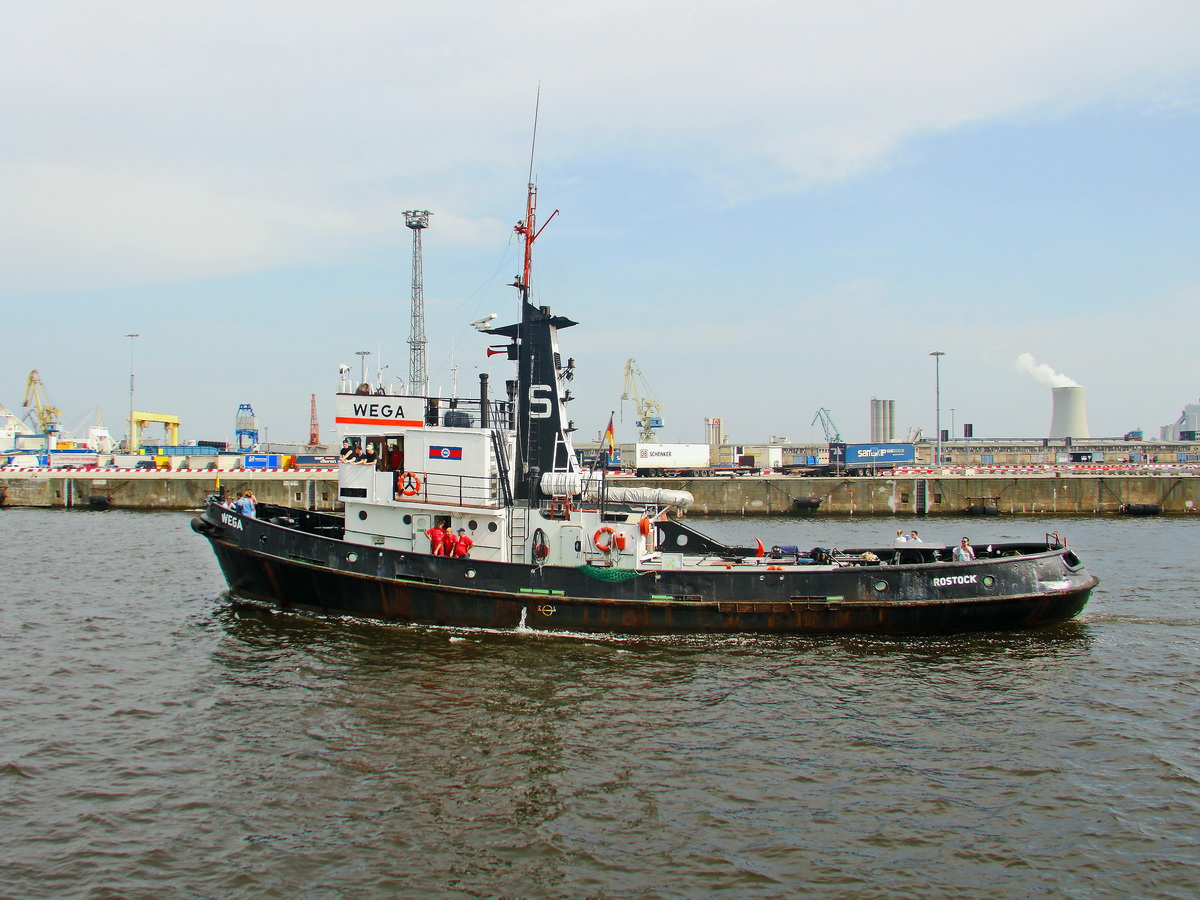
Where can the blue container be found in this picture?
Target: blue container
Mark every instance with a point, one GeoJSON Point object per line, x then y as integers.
{"type": "Point", "coordinates": [872, 454]}
{"type": "Point", "coordinates": [259, 461]}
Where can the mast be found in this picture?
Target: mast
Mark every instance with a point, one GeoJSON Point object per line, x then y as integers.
{"type": "Point", "coordinates": [541, 440]}
{"type": "Point", "coordinates": [543, 443]}
{"type": "Point", "coordinates": [527, 229]}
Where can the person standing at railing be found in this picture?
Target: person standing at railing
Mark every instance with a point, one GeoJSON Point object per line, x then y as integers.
{"type": "Point", "coordinates": [463, 545]}
{"type": "Point", "coordinates": [449, 540]}
{"type": "Point", "coordinates": [964, 552]}
{"type": "Point", "coordinates": [437, 539]}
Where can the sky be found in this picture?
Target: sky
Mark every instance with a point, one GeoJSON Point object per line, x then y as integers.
{"type": "Point", "coordinates": [773, 207]}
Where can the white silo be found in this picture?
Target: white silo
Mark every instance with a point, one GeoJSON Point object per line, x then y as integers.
{"type": "Point", "coordinates": [883, 426]}
{"type": "Point", "coordinates": [1069, 419]}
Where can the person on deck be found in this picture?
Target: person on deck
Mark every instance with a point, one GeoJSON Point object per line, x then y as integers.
{"type": "Point", "coordinates": [347, 453]}
{"type": "Point", "coordinates": [437, 539]}
{"type": "Point", "coordinates": [964, 552]}
{"type": "Point", "coordinates": [369, 456]}
{"type": "Point", "coordinates": [464, 544]}
{"type": "Point", "coordinates": [245, 505]}
{"type": "Point", "coordinates": [449, 540]}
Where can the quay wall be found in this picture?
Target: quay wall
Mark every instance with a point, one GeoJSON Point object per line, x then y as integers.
{"type": "Point", "coordinates": [937, 495]}
{"type": "Point", "coordinates": [908, 495]}
{"type": "Point", "coordinates": [165, 489]}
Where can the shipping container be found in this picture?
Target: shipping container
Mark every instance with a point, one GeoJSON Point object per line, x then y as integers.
{"type": "Point", "coordinates": [870, 457]}
{"type": "Point", "coordinates": [670, 458]}
{"type": "Point", "coordinates": [309, 461]}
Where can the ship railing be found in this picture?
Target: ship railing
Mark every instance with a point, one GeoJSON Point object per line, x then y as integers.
{"type": "Point", "coordinates": [456, 490]}
{"type": "Point", "coordinates": [466, 413]}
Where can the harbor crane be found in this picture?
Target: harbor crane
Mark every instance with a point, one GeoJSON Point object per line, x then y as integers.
{"type": "Point", "coordinates": [245, 426]}
{"type": "Point", "coordinates": [832, 435]}
{"type": "Point", "coordinates": [39, 403]}
{"type": "Point", "coordinates": [646, 410]}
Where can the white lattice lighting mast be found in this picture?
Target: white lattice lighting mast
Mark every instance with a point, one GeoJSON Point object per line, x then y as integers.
{"type": "Point", "coordinates": [418, 378]}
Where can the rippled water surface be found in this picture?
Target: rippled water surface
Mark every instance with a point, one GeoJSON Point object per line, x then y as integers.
{"type": "Point", "coordinates": [159, 741]}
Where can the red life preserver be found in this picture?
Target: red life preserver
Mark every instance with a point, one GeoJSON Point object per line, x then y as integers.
{"type": "Point", "coordinates": [606, 547]}
{"type": "Point", "coordinates": [644, 526]}
{"type": "Point", "coordinates": [539, 548]}
{"type": "Point", "coordinates": [411, 482]}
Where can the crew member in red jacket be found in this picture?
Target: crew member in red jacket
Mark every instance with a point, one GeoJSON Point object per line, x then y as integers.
{"type": "Point", "coordinates": [437, 539]}
{"type": "Point", "coordinates": [462, 547]}
{"type": "Point", "coordinates": [448, 540]}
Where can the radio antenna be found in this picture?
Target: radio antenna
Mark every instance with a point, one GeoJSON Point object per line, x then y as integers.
{"type": "Point", "coordinates": [533, 143]}
{"type": "Point", "coordinates": [527, 227]}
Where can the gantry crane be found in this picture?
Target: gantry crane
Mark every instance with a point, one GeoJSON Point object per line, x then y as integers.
{"type": "Point", "coordinates": [645, 409]}
{"type": "Point", "coordinates": [36, 399]}
{"type": "Point", "coordinates": [245, 426]}
{"type": "Point", "coordinates": [831, 431]}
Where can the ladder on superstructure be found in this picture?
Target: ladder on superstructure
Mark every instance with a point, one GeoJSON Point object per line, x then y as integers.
{"type": "Point", "coordinates": [516, 522]}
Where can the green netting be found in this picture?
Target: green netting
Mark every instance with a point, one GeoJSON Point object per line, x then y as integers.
{"type": "Point", "coordinates": [608, 574]}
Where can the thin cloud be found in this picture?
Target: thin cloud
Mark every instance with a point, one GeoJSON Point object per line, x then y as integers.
{"type": "Point", "coordinates": [218, 137]}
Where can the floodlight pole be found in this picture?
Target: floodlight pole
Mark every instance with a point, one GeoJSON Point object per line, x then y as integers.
{"type": "Point", "coordinates": [131, 440]}
{"type": "Point", "coordinates": [937, 376]}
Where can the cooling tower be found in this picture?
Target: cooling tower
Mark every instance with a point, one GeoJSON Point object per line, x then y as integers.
{"type": "Point", "coordinates": [1070, 414]}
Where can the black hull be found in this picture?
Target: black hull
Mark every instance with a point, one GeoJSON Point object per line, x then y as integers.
{"type": "Point", "coordinates": [294, 569]}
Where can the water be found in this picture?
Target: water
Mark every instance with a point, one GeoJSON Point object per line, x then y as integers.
{"type": "Point", "coordinates": [161, 742]}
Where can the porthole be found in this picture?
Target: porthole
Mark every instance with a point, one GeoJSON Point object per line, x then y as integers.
{"type": "Point", "coordinates": [362, 513]}
{"type": "Point", "coordinates": [407, 520]}
{"type": "Point", "coordinates": [881, 585]}
{"type": "Point", "coordinates": [470, 573]}
{"type": "Point", "coordinates": [492, 526]}
{"type": "Point", "coordinates": [681, 540]}
{"type": "Point", "coordinates": [351, 557]}
{"type": "Point", "coordinates": [988, 580]}
{"type": "Point", "coordinates": [472, 524]}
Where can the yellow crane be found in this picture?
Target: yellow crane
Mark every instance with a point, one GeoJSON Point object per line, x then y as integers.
{"type": "Point", "coordinates": [36, 399]}
{"type": "Point", "coordinates": [648, 411]}
{"type": "Point", "coordinates": [142, 419]}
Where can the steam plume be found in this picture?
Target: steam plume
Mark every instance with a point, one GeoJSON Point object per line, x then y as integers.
{"type": "Point", "coordinates": [1043, 373]}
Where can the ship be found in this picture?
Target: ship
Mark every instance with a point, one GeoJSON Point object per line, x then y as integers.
{"type": "Point", "coordinates": [540, 543]}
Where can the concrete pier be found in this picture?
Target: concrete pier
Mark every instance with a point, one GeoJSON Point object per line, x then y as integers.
{"type": "Point", "coordinates": [163, 488]}
{"type": "Point", "coordinates": [768, 495]}
{"type": "Point", "coordinates": [938, 495]}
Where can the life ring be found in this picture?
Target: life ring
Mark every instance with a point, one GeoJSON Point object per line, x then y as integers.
{"type": "Point", "coordinates": [644, 526]}
{"type": "Point", "coordinates": [605, 547]}
{"type": "Point", "coordinates": [411, 484]}
{"type": "Point", "coordinates": [539, 548]}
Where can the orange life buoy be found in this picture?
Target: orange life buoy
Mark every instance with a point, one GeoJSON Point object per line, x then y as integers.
{"type": "Point", "coordinates": [644, 525]}
{"type": "Point", "coordinates": [411, 484]}
{"type": "Point", "coordinates": [605, 547]}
